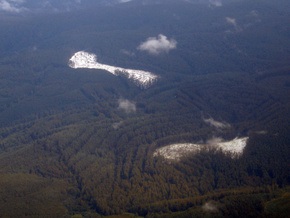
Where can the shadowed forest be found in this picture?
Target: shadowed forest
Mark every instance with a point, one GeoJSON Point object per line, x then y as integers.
{"type": "Point", "coordinates": [68, 149]}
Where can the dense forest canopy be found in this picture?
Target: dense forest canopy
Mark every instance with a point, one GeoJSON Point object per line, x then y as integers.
{"type": "Point", "coordinates": [81, 142]}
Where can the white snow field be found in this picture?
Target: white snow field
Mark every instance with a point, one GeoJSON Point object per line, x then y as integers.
{"type": "Point", "coordinates": [175, 152]}
{"type": "Point", "coordinates": [82, 59]}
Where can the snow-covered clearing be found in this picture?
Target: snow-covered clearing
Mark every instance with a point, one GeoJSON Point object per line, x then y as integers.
{"type": "Point", "coordinates": [234, 148]}
{"type": "Point", "coordinates": [84, 59]}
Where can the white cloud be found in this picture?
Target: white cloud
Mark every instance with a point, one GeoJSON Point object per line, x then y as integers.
{"type": "Point", "coordinates": [232, 21]}
{"type": "Point", "coordinates": [11, 6]}
{"type": "Point", "coordinates": [124, 1]}
{"type": "Point", "coordinates": [255, 17]}
{"type": "Point", "coordinates": [254, 13]}
{"type": "Point", "coordinates": [216, 124]}
{"type": "Point", "coordinates": [157, 45]}
{"type": "Point", "coordinates": [262, 132]}
{"type": "Point", "coordinates": [126, 105]}
{"type": "Point", "coordinates": [128, 53]}
{"type": "Point", "coordinates": [17, 1]}
{"type": "Point", "coordinates": [216, 3]}
{"type": "Point", "coordinates": [209, 207]}
{"type": "Point", "coordinates": [117, 125]}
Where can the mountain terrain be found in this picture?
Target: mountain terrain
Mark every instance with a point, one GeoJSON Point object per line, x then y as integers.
{"type": "Point", "coordinates": [83, 142]}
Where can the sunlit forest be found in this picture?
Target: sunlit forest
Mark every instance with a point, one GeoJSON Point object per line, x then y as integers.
{"type": "Point", "coordinates": [69, 148]}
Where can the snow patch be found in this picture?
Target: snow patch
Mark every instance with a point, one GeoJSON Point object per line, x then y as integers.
{"type": "Point", "coordinates": [175, 152]}
{"type": "Point", "coordinates": [84, 59]}
{"type": "Point", "coordinates": [233, 147]}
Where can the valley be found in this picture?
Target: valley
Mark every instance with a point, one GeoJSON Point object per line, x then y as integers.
{"type": "Point", "coordinates": [144, 108]}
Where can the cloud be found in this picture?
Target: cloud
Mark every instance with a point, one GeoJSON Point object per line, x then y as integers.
{"type": "Point", "coordinates": [262, 132]}
{"type": "Point", "coordinates": [124, 1]}
{"type": "Point", "coordinates": [209, 207]}
{"type": "Point", "coordinates": [128, 53]}
{"type": "Point", "coordinates": [117, 125]}
{"type": "Point", "coordinates": [11, 5]}
{"type": "Point", "coordinates": [126, 105]}
{"type": "Point", "coordinates": [254, 13]}
{"type": "Point", "coordinates": [216, 3]}
{"type": "Point", "coordinates": [157, 45]}
{"type": "Point", "coordinates": [232, 21]}
{"type": "Point", "coordinates": [17, 6]}
{"type": "Point", "coordinates": [217, 124]}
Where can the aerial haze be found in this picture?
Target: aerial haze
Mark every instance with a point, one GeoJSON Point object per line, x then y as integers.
{"type": "Point", "coordinates": [144, 108]}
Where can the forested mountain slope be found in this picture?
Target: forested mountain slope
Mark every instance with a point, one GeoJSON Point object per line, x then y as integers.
{"type": "Point", "coordinates": [82, 141]}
